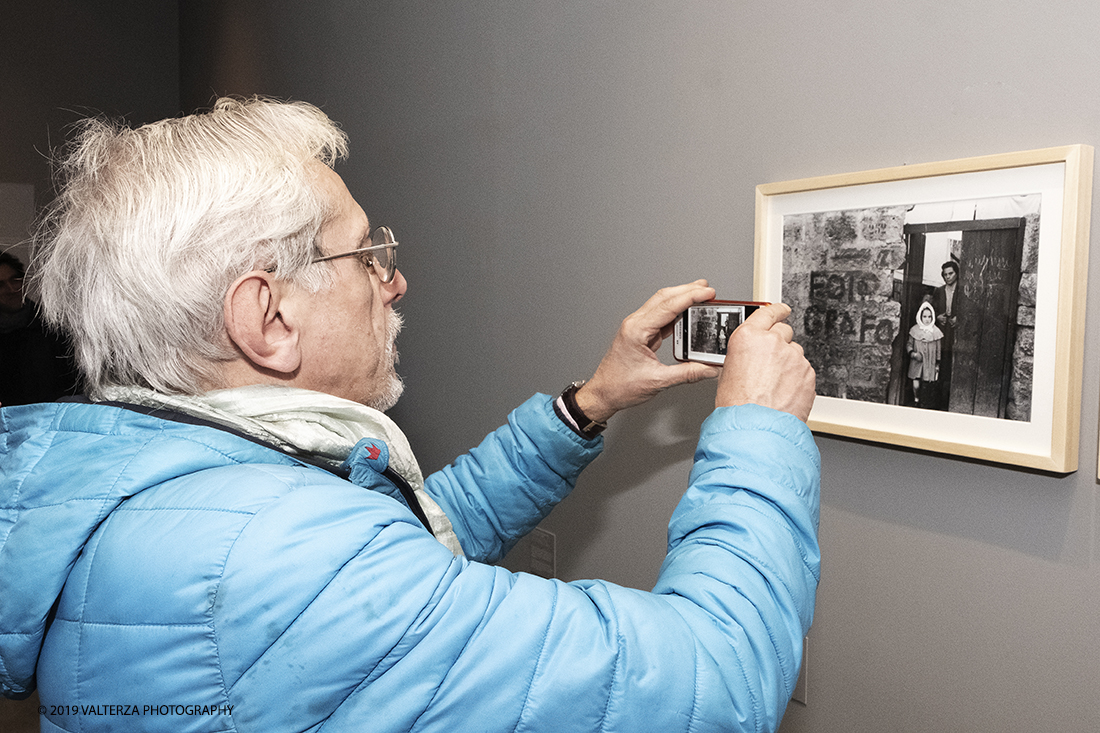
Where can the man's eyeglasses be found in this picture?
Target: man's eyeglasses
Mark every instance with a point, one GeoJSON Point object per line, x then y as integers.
{"type": "Point", "coordinates": [381, 254]}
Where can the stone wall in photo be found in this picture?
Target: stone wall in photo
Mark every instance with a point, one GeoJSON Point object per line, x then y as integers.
{"type": "Point", "coordinates": [838, 277]}
{"type": "Point", "coordinates": [1023, 357]}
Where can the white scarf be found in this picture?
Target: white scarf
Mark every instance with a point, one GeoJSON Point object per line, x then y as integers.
{"type": "Point", "coordinates": [301, 421]}
{"type": "Point", "coordinates": [926, 331]}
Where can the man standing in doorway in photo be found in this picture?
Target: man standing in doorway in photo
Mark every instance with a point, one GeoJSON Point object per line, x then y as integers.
{"type": "Point", "coordinates": [944, 303]}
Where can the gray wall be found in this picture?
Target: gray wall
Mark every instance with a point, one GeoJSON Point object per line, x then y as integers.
{"type": "Point", "coordinates": [548, 165]}
{"type": "Point", "coordinates": [61, 60]}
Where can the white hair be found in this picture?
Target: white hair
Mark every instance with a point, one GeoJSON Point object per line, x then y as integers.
{"type": "Point", "coordinates": [152, 225]}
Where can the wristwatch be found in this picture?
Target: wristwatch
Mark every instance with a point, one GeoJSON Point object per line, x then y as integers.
{"type": "Point", "coordinates": [581, 424]}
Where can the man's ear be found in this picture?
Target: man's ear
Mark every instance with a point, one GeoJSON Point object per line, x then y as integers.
{"type": "Point", "coordinates": [255, 323]}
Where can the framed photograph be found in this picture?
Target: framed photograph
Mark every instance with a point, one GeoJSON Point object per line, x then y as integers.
{"type": "Point", "coordinates": [942, 305]}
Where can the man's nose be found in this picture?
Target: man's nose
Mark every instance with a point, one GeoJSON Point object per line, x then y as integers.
{"type": "Point", "coordinates": [395, 289]}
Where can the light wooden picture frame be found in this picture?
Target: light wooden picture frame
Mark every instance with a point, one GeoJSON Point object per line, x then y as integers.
{"type": "Point", "coordinates": [857, 256]}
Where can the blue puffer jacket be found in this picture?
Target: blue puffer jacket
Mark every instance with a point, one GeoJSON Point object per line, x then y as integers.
{"type": "Point", "coordinates": [157, 575]}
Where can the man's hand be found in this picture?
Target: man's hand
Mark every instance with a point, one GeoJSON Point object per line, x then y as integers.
{"type": "Point", "coordinates": [630, 372]}
{"type": "Point", "coordinates": [765, 367]}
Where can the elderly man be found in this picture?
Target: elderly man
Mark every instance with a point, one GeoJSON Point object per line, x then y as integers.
{"type": "Point", "coordinates": [229, 534]}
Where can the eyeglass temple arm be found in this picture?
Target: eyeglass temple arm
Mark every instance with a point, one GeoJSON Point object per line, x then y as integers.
{"type": "Point", "coordinates": [355, 252]}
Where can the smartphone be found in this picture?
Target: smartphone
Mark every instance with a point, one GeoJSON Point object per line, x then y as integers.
{"type": "Point", "coordinates": [700, 333]}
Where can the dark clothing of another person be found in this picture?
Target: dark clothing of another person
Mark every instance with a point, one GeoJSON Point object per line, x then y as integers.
{"type": "Point", "coordinates": [35, 364]}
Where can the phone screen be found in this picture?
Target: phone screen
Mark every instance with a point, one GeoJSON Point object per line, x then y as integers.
{"type": "Point", "coordinates": [702, 331]}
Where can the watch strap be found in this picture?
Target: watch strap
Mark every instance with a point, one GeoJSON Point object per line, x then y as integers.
{"type": "Point", "coordinates": [581, 424]}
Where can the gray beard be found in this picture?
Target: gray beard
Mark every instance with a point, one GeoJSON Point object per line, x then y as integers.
{"type": "Point", "coordinates": [390, 391]}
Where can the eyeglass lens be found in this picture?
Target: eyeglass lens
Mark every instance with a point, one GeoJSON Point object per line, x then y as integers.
{"type": "Point", "coordinates": [385, 260]}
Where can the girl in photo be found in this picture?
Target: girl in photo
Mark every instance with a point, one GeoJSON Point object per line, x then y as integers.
{"type": "Point", "coordinates": [925, 345]}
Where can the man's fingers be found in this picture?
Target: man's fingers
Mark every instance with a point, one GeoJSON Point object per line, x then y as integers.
{"type": "Point", "coordinates": [767, 316]}
{"type": "Point", "coordinates": [668, 303]}
{"type": "Point", "coordinates": [690, 372]}
{"type": "Point", "coordinates": [784, 330]}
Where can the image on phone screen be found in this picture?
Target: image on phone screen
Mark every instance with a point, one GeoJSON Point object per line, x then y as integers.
{"type": "Point", "coordinates": [704, 330]}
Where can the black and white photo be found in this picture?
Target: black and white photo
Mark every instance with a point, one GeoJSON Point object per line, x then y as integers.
{"type": "Point", "coordinates": [940, 304]}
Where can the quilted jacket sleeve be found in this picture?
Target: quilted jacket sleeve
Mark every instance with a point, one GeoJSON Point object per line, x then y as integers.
{"type": "Point", "coordinates": [744, 562]}
{"type": "Point", "coordinates": [716, 645]}
{"type": "Point", "coordinates": [502, 489]}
